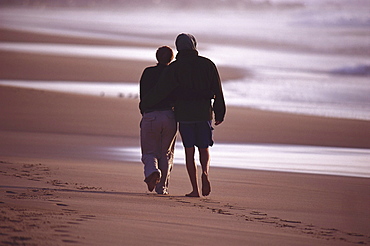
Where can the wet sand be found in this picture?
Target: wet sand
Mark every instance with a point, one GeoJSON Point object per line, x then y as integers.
{"type": "Point", "coordinates": [57, 194]}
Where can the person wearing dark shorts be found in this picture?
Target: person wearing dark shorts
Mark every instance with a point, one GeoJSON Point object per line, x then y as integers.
{"type": "Point", "coordinates": [190, 78]}
{"type": "Point", "coordinates": [197, 134]}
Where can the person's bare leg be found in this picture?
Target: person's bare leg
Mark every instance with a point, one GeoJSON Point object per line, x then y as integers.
{"type": "Point", "coordinates": [204, 161]}
{"type": "Point", "coordinates": [192, 171]}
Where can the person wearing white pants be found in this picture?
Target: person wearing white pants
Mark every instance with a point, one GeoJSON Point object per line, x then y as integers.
{"type": "Point", "coordinates": [158, 134]}
{"type": "Point", "coordinates": [158, 128]}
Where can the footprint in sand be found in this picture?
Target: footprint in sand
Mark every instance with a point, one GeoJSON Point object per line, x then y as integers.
{"type": "Point", "coordinates": [58, 183]}
{"type": "Point", "coordinates": [10, 192]}
{"type": "Point", "coordinates": [70, 241]}
{"type": "Point", "coordinates": [73, 223]}
{"type": "Point", "coordinates": [291, 221]}
{"type": "Point", "coordinates": [210, 201]}
{"type": "Point", "coordinates": [355, 234]}
{"type": "Point", "coordinates": [234, 207]}
{"type": "Point", "coordinates": [69, 210]}
{"type": "Point", "coordinates": [258, 213]}
{"type": "Point", "coordinates": [261, 217]}
{"type": "Point", "coordinates": [87, 216]}
{"type": "Point", "coordinates": [61, 231]}
{"type": "Point", "coordinates": [182, 201]}
{"type": "Point", "coordinates": [62, 204]}
{"type": "Point", "coordinates": [220, 211]}
{"type": "Point", "coordinates": [51, 200]}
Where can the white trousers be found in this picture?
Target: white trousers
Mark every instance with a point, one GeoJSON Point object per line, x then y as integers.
{"type": "Point", "coordinates": [158, 134]}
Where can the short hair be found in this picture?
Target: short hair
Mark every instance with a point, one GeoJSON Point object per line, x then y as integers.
{"type": "Point", "coordinates": [164, 55]}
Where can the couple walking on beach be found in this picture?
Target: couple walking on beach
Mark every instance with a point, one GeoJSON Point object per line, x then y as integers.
{"type": "Point", "coordinates": [187, 91]}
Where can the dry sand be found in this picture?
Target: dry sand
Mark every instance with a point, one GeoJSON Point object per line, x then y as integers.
{"type": "Point", "coordinates": [54, 193]}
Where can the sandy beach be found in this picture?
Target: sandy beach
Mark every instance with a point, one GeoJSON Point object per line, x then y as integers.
{"type": "Point", "coordinates": [54, 193]}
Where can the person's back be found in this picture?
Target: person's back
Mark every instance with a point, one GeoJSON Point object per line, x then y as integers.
{"type": "Point", "coordinates": [191, 72]}
{"type": "Point", "coordinates": [157, 128]}
{"type": "Point", "coordinates": [149, 80]}
{"type": "Point", "coordinates": [198, 74]}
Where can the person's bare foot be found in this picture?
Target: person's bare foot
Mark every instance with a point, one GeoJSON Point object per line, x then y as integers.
{"type": "Point", "coordinates": [206, 185]}
{"type": "Point", "coordinates": [193, 194]}
{"type": "Point", "coordinates": [152, 180]}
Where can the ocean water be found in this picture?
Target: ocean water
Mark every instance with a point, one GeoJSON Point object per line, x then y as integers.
{"type": "Point", "coordinates": [304, 57]}
{"type": "Point", "coordinates": [269, 157]}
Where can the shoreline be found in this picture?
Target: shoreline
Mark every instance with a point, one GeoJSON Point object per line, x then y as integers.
{"type": "Point", "coordinates": [130, 90]}
{"type": "Point", "coordinates": [261, 157]}
{"type": "Point", "coordinates": [257, 126]}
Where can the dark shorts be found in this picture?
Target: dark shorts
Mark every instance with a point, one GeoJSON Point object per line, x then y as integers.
{"type": "Point", "coordinates": [196, 134]}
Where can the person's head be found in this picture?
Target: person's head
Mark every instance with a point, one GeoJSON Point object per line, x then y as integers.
{"type": "Point", "coordinates": [164, 55]}
{"type": "Point", "coordinates": [185, 42]}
